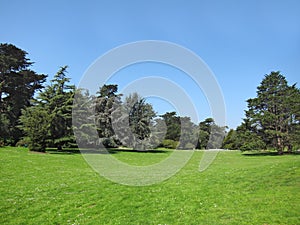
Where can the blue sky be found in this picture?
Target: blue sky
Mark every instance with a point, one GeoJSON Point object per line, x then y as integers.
{"type": "Point", "coordinates": [240, 41]}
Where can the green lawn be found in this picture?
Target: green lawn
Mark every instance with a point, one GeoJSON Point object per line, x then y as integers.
{"type": "Point", "coordinates": [63, 189]}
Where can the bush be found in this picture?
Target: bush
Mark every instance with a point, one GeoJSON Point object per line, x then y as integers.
{"type": "Point", "coordinates": [2, 143]}
{"type": "Point", "coordinates": [36, 147]}
{"type": "Point", "coordinates": [253, 145]}
{"type": "Point", "coordinates": [109, 143]}
{"type": "Point", "coordinates": [167, 143]}
{"type": "Point", "coordinates": [22, 143]}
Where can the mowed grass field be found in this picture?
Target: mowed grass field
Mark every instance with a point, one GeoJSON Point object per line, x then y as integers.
{"type": "Point", "coordinates": [63, 189]}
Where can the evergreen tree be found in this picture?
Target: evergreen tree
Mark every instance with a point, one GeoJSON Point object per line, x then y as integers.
{"type": "Point", "coordinates": [274, 114]}
{"type": "Point", "coordinates": [204, 133]}
{"type": "Point", "coordinates": [246, 138]}
{"type": "Point", "coordinates": [35, 125]}
{"type": "Point", "coordinates": [173, 126]}
{"type": "Point", "coordinates": [83, 119]}
{"type": "Point", "coordinates": [54, 107]}
{"type": "Point", "coordinates": [17, 86]}
{"type": "Point", "coordinates": [189, 134]}
{"type": "Point", "coordinates": [229, 141]}
{"type": "Point", "coordinates": [105, 103]}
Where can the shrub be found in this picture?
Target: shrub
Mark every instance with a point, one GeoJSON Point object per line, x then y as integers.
{"type": "Point", "coordinates": [253, 145]}
{"type": "Point", "coordinates": [109, 143]}
{"type": "Point", "coordinates": [167, 143]}
{"type": "Point", "coordinates": [22, 143]}
{"type": "Point", "coordinates": [37, 147]}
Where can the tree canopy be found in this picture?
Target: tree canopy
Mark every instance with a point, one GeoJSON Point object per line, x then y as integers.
{"type": "Point", "coordinates": [272, 118]}
{"type": "Point", "coordinates": [17, 87]}
{"type": "Point", "coordinates": [53, 110]}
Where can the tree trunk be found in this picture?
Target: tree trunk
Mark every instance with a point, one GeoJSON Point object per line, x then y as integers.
{"type": "Point", "coordinates": [290, 148]}
{"type": "Point", "coordinates": [279, 145]}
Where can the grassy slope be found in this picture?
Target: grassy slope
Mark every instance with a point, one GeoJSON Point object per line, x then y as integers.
{"type": "Point", "coordinates": [63, 189]}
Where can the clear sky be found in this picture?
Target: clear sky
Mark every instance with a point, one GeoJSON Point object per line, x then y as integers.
{"type": "Point", "coordinates": [240, 41]}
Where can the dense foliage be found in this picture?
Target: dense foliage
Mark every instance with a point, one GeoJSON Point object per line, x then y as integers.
{"type": "Point", "coordinates": [272, 120]}
{"type": "Point", "coordinates": [49, 120]}
{"type": "Point", "coordinates": [18, 84]}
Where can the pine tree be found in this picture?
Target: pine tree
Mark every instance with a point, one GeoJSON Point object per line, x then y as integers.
{"type": "Point", "coordinates": [105, 104]}
{"type": "Point", "coordinates": [17, 86]}
{"type": "Point", "coordinates": [35, 125]}
{"type": "Point", "coordinates": [173, 126]}
{"type": "Point", "coordinates": [54, 108]}
{"type": "Point", "coordinates": [83, 117]}
{"type": "Point", "coordinates": [274, 113]}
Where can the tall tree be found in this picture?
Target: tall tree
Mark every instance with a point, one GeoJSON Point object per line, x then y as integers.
{"type": "Point", "coordinates": [106, 102]}
{"type": "Point", "coordinates": [189, 134]}
{"type": "Point", "coordinates": [173, 126]}
{"type": "Point", "coordinates": [274, 113]}
{"type": "Point", "coordinates": [133, 122]}
{"type": "Point", "coordinates": [83, 119]}
{"type": "Point", "coordinates": [54, 107]}
{"type": "Point", "coordinates": [17, 86]}
{"type": "Point", "coordinates": [204, 133]}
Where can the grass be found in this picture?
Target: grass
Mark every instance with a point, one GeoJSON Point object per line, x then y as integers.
{"type": "Point", "coordinates": [63, 189]}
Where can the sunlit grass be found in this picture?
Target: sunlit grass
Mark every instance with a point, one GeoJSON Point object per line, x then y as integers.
{"type": "Point", "coordinates": [63, 189]}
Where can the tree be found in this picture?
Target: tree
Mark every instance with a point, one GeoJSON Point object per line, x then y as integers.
{"type": "Point", "coordinates": [57, 100]}
{"type": "Point", "coordinates": [17, 86]}
{"type": "Point", "coordinates": [83, 119]}
{"type": "Point", "coordinates": [133, 121]}
{"type": "Point", "coordinates": [229, 141]}
{"type": "Point", "coordinates": [204, 133]}
{"type": "Point", "coordinates": [189, 134]}
{"type": "Point", "coordinates": [158, 130]}
{"type": "Point", "coordinates": [210, 134]}
{"type": "Point", "coordinates": [54, 108]}
{"type": "Point", "coordinates": [35, 124]}
{"type": "Point", "coordinates": [106, 102]}
{"type": "Point", "coordinates": [216, 137]}
{"type": "Point", "coordinates": [246, 139]}
{"type": "Point", "coordinates": [173, 126]}
{"type": "Point", "coordinates": [274, 114]}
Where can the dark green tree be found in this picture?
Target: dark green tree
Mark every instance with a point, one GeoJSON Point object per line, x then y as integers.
{"type": "Point", "coordinates": [105, 103]}
{"type": "Point", "coordinates": [57, 99]}
{"type": "Point", "coordinates": [17, 86]}
{"type": "Point", "coordinates": [173, 126]}
{"type": "Point", "coordinates": [204, 132]}
{"type": "Point", "coordinates": [54, 105]}
{"type": "Point", "coordinates": [35, 125]}
{"type": "Point", "coordinates": [274, 114]}
{"type": "Point", "coordinates": [245, 138]}
{"type": "Point", "coordinates": [229, 141]}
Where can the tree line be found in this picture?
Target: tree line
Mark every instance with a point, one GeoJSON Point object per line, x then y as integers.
{"type": "Point", "coordinates": [40, 116]}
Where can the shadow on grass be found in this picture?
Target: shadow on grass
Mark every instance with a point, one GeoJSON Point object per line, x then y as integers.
{"type": "Point", "coordinates": [151, 151]}
{"type": "Point", "coordinates": [268, 153]}
{"type": "Point", "coordinates": [100, 151]}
